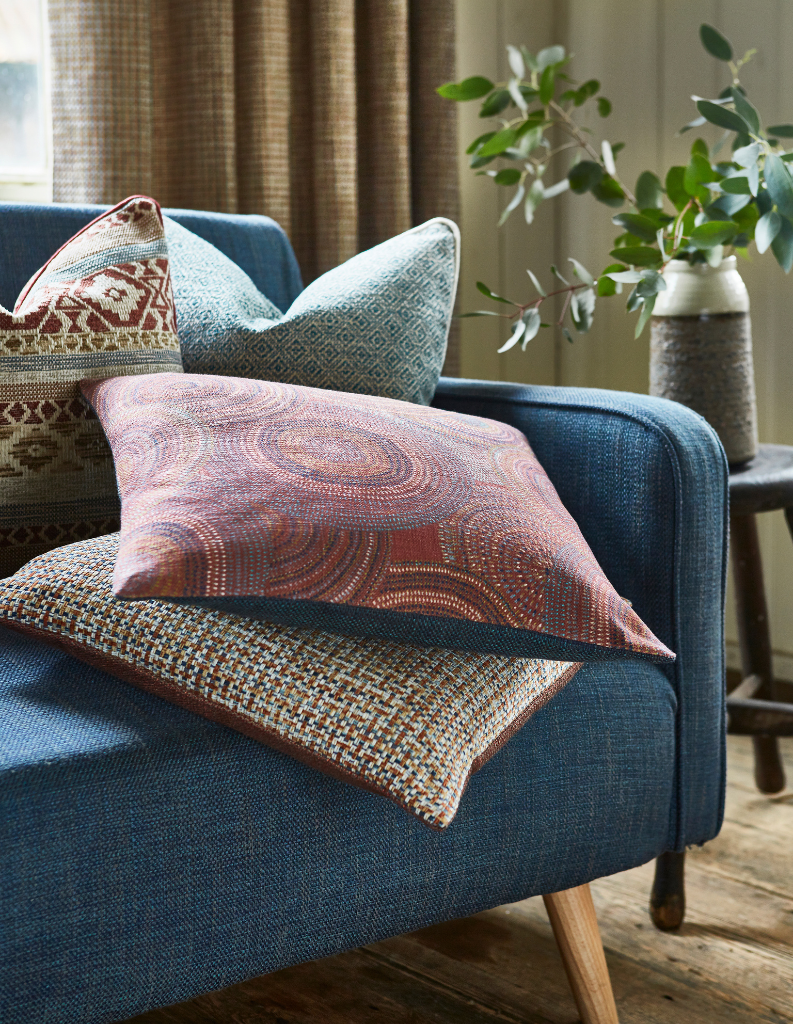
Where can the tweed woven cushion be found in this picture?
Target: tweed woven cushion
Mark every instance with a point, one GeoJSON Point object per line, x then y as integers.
{"type": "Point", "coordinates": [102, 307]}
{"type": "Point", "coordinates": [353, 514]}
{"type": "Point", "coordinates": [376, 325]}
{"type": "Point", "coordinates": [410, 723]}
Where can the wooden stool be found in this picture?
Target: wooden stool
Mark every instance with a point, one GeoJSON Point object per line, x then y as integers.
{"type": "Point", "coordinates": [755, 708]}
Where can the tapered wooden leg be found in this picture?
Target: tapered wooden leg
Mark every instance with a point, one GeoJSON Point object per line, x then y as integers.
{"type": "Point", "coordinates": [575, 929]}
{"type": "Point", "coordinates": [668, 898]}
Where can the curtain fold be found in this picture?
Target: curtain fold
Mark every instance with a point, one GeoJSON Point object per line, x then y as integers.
{"type": "Point", "coordinates": [320, 113]}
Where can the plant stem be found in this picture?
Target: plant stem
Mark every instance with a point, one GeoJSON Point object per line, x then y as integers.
{"type": "Point", "coordinates": [573, 129]}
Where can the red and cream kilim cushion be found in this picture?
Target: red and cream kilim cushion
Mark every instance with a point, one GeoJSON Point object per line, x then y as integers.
{"type": "Point", "coordinates": [101, 307]}
{"type": "Point", "coordinates": [409, 723]}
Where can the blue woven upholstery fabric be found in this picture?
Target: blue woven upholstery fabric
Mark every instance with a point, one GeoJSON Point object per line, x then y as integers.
{"type": "Point", "coordinates": [148, 855]}
{"type": "Point", "coordinates": [646, 480]}
{"type": "Point", "coordinates": [30, 234]}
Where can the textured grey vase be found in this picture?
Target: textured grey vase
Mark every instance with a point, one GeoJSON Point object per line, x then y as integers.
{"type": "Point", "coordinates": [701, 351]}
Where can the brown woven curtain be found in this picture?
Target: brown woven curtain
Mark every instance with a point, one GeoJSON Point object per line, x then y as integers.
{"type": "Point", "coordinates": [320, 113]}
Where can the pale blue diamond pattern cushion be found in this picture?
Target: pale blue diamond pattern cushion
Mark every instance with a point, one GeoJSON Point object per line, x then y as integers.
{"type": "Point", "coordinates": [376, 325]}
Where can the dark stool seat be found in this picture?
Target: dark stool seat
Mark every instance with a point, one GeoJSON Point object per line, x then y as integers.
{"type": "Point", "coordinates": [763, 485]}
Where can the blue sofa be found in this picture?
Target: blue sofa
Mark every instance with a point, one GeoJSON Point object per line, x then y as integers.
{"type": "Point", "coordinates": [148, 855]}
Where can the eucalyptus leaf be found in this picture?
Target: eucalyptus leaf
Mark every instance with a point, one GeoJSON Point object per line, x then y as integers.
{"type": "Point", "coordinates": [517, 96]}
{"type": "Point", "coordinates": [715, 255]}
{"type": "Point", "coordinates": [520, 327]}
{"type": "Point", "coordinates": [608, 191]}
{"type": "Point", "coordinates": [604, 106]}
{"type": "Point", "coordinates": [507, 176]}
{"type": "Point", "coordinates": [501, 140]}
{"type": "Point", "coordinates": [479, 312]}
{"type": "Point", "coordinates": [584, 309]}
{"type": "Point", "coordinates": [469, 89]}
{"type": "Point", "coordinates": [782, 245]}
{"type": "Point", "coordinates": [534, 197]}
{"type": "Point", "coordinates": [766, 230]}
{"type": "Point", "coordinates": [722, 117]}
{"type": "Point", "coordinates": [705, 236]}
{"type": "Point", "coordinates": [516, 62]}
{"type": "Point", "coordinates": [581, 272]}
{"type": "Point", "coordinates": [640, 226]}
{"type": "Point", "coordinates": [746, 110]}
{"type": "Point", "coordinates": [634, 301]}
{"type": "Point", "coordinates": [532, 321]}
{"type": "Point", "coordinates": [732, 204]}
{"type": "Point", "coordinates": [651, 284]}
{"type": "Point", "coordinates": [692, 124]}
{"type": "Point", "coordinates": [645, 315]}
{"type": "Point", "coordinates": [550, 55]}
{"type": "Point", "coordinates": [495, 103]}
{"type": "Point", "coordinates": [746, 156]}
{"type": "Point", "coordinates": [557, 189]}
{"type": "Point", "coordinates": [738, 185]}
{"type": "Point", "coordinates": [649, 192]}
{"type": "Point", "coordinates": [513, 204]}
{"type": "Point", "coordinates": [555, 272]}
{"type": "Point", "coordinates": [481, 140]}
{"type": "Point", "coordinates": [626, 276]}
{"type": "Point", "coordinates": [547, 83]}
{"type": "Point", "coordinates": [638, 255]}
{"type": "Point", "coordinates": [584, 175]}
{"type": "Point", "coordinates": [567, 335]}
{"type": "Point", "coordinates": [608, 158]}
{"type": "Point", "coordinates": [537, 284]}
{"type": "Point", "coordinates": [783, 131]}
{"type": "Point", "coordinates": [606, 286]}
{"type": "Point", "coordinates": [779, 184]}
{"type": "Point", "coordinates": [482, 287]}
{"type": "Point", "coordinates": [715, 43]}
{"type": "Point", "coordinates": [675, 188]}
{"type": "Point", "coordinates": [701, 147]}
{"type": "Point", "coordinates": [530, 59]}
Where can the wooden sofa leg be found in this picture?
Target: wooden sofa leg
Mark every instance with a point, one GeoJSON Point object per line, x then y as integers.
{"type": "Point", "coordinates": [575, 929]}
{"type": "Point", "coordinates": [668, 897]}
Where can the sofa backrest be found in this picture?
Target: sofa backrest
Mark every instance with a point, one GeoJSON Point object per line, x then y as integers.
{"type": "Point", "coordinates": [30, 234]}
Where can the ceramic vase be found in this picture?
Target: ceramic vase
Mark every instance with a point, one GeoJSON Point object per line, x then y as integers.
{"type": "Point", "coordinates": [701, 351]}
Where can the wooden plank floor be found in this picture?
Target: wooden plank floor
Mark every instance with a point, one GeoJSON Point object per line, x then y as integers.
{"type": "Point", "coordinates": [731, 963]}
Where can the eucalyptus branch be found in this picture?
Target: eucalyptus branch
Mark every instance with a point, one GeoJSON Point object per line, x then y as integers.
{"type": "Point", "coordinates": [573, 129]}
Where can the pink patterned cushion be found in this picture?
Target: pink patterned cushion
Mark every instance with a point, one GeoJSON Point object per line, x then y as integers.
{"type": "Point", "coordinates": [354, 514]}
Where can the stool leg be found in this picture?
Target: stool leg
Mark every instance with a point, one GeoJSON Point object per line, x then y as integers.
{"type": "Point", "coordinates": [755, 641]}
{"type": "Point", "coordinates": [668, 897]}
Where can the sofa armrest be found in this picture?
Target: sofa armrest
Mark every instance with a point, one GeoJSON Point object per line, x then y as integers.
{"type": "Point", "coordinates": [646, 481]}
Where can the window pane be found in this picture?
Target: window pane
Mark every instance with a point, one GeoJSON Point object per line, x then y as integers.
{"type": "Point", "coordinates": [22, 147]}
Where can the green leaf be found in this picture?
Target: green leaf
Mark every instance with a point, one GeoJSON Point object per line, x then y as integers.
{"type": "Point", "coordinates": [604, 106]}
{"type": "Point", "coordinates": [697, 172]}
{"type": "Point", "coordinates": [537, 284]}
{"type": "Point", "coordinates": [766, 230]}
{"type": "Point", "coordinates": [731, 204]}
{"type": "Point", "coordinates": [549, 56]}
{"type": "Point", "coordinates": [479, 141]}
{"type": "Point", "coordinates": [783, 131]}
{"type": "Point", "coordinates": [648, 191]}
{"type": "Point", "coordinates": [520, 327]}
{"type": "Point", "coordinates": [692, 124]}
{"type": "Point", "coordinates": [469, 89]}
{"type": "Point", "coordinates": [638, 225]}
{"type": "Point", "coordinates": [507, 176]}
{"type": "Point", "coordinates": [617, 148]}
{"type": "Point", "coordinates": [675, 188]}
{"type": "Point", "coordinates": [501, 140]}
{"type": "Point", "coordinates": [584, 176]}
{"type": "Point", "coordinates": [782, 246]}
{"type": "Point", "coordinates": [779, 184]}
{"type": "Point", "coordinates": [479, 312]}
{"type": "Point", "coordinates": [701, 147]}
{"type": "Point", "coordinates": [745, 109]}
{"type": "Point", "coordinates": [547, 84]}
{"type": "Point", "coordinates": [722, 117]}
{"type": "Point", "coordinates": [555, 272]}
{"type": "Point", "coordinates": [638, 255]}
{"type": "Point", "coordinates": [495, 103]}
{"type": "Point", "coordinates": [715, 43]}
{"type": "Point", "coordinates": [651, 284]}
{"type": "Point", "coordinates": [634, 301]}
{"type": "Point", "coordinates": [738, 186]}
{"type": "Point", "coordinates": [581, 272]}
{"type": "Point", "coordinates": [530, 59]}
{"type": "Point", "coordinates": [533, 322]}
{"type": "Point", "coordinates": [608, 191]}
{"type": "Point", "coordinates": [513, 204]}
{"type": "Point", "coordinates": [747, 156]}
{"type": "Point", "coordinates": [582, 307]}
{"type": "Point", "coordinates": [482, 287]}
{"type": "Point", "coordinates": [714, 232]}
{"type": "Point", "coordinates": [645, 315]}
{"type": "Point", "coordinates": [606, 286]}
{"type": "Point", "coordinates": [624, 276]}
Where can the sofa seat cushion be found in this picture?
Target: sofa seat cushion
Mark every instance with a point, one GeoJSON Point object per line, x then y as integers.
{"type": "Point", "coordinates": [149, 855]}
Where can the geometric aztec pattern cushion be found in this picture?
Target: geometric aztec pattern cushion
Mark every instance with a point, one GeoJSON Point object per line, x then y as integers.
{"type": "Point", "coordinates": [376, 325]}
{"type": "Point", "coordinates": [409, 723]}
{"type": "Point", "coordinates": [100, 307]}
{"type": "Point", "coordinates": [353, 514]}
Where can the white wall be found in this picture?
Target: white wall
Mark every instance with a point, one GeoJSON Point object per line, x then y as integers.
{"type": "Point", "coordinates": [648, 57]}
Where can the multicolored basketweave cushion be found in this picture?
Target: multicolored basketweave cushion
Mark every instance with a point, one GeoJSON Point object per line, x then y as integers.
{"type": "Point", "coordinates": [409, 723]}
{"type": "Point", "coordinates": [101, 307]}
{"type": "Point", "coordinates": [353, 514]}
{"type": "Point", "coordinates": [376, 325]}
